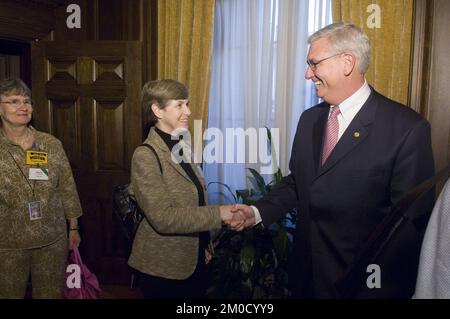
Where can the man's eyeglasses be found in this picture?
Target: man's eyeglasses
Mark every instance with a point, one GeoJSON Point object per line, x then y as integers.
{"type": "Point", "coordinates": [313, 65]}
{"type": "Point", "coordinates": [17, 102]}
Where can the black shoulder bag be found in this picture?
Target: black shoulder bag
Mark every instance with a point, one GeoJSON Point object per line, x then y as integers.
{"type": "Point", "coordinates": [125, 207]}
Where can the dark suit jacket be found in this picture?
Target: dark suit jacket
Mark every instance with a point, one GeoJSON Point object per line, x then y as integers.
{"type": "Point", "coordinates": [384, 153]}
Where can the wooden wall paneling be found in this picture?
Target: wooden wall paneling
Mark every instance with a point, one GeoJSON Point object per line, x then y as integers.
{"type": "Point", "coordinates": [100, 130]}
{"type": "Point", "coordinates": [65, 114]}
{"type": "Point", "coordinates": [19, 52]}
{"type": "Point", "coordinates": [104, 20]}
{"type": "Point", "coordinates": [429, 92]}
{"type": "Point", "coordinates": [110, 120]}
{"type": "Point", "coordinates": [420, 57]}
{"type": "Point", "coordinates": [26, 21]}
{"type": "Point", "coordinates": [41, 74]}
{"type": "Point", "coordinates": [111, 25]}
{"type": "Point", "coordinates": [3, 66]}
{"type": "Point", "coordinates": [134, 114]}
{"type": "Point", "coordinates": [133, 20]}
{"type": "Point", "coordinates": [9, 66]}
{"type": "Point", "coordinates": [150, 40]}
{"type": "Point", "coordinates": [88, 150]}
{"type": "Point", "coordinates": [439, 93]}
{"type": "Point", "coordinates": [89, 22]}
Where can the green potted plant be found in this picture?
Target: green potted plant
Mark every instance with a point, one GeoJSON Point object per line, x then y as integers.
{"type": "Point", "coordinates": [252, 264]}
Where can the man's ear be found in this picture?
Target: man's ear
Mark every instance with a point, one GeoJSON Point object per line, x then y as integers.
{"type": "Point", "coordinates": [349, 63]}
{"type": "Point", "coordinates": [156, 110]}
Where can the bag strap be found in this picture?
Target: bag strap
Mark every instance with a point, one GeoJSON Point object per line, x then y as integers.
{"type": "Point", "coordinates": [76, 256]}
{"type": "Point", "coordinates": [154, 152]}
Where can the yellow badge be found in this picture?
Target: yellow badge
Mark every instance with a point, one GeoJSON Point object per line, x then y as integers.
{"type": "Point", "coordinates": [356, 134]}
{"type": "Point", "coordinates": [36, 158]}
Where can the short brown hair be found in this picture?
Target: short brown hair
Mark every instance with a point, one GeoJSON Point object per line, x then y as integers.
{"type": "Point", "coordinates": [159, 92]}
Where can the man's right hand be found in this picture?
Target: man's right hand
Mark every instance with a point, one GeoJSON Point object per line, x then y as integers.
{"type": "Point", "coordinates": [245, 212]}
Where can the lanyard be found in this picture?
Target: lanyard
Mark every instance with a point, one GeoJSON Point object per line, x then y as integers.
{"type": "Point", "coordinates": [28, 182]}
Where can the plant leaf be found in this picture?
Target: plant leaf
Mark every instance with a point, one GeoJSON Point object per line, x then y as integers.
{"type": "Point", "coordinates": [243, 193]}
{"type": "Point", "coordinates": [224, 185]}
{"type": "Point", "coordinates": [261, 183]}
{"type": "Point", "coordinates": [247, 259]}
{"type": "Point", "coordinates": [278, 175]}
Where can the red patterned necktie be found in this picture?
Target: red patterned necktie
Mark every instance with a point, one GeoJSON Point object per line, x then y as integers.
{"type": "Point", "coordinates": [332, 133]}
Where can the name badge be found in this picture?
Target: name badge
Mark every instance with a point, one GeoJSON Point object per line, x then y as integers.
{"type": "Point", "coordinates": [38, 174]}
{"type": "Point", "coordinates": [36, 158]}
{"type": "Point", "coordinates": [34, 209]}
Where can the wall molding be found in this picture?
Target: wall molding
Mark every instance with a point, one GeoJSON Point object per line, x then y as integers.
{"type": "Point", "coordinates": [421, 55]}
{"type": "Point", "coordinates": [25, 22]}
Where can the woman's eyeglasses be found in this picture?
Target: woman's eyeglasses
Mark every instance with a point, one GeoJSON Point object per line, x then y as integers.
{"type": "Point", "coordinates": [17, 102]}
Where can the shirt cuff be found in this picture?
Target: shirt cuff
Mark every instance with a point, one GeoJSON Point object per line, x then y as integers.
{"type": "Point", "coordinates": [258, 218]}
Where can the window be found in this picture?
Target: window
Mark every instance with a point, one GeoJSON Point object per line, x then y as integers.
{"type": "Point", "coordinates": [257, 80]}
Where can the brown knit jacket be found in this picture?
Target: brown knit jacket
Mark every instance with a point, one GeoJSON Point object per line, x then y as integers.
{"type": "Point", "coordinates": [166, 242]}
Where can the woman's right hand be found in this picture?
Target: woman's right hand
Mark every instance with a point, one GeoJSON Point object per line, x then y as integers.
{"type": "Point", "coordinates": [235, 220]}
{"type": "Point", "coordinates": [74, 239]}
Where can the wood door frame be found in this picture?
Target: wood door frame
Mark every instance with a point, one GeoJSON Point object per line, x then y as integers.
{"type": "Point", "coordinates": [23, 50]}
{"type": "Point", "coordinates": [430, 67]}
{"type": "Point", "coordinates": [421, 55]}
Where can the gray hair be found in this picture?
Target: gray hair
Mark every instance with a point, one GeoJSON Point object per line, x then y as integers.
{"type": "Point", "coordinates": [14, 86]}
{"type": "Point", "coordinates": [347, 37]}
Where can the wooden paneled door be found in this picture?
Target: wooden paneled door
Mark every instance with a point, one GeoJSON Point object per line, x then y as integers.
{"type": "Point", "coordinates": [87, 94]}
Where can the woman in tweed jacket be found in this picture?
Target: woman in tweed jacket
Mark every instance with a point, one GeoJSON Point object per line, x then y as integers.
{"type": "Point", "coordinates": [169, 247]}
{"type": "Point", "coordinates": [38, 200]}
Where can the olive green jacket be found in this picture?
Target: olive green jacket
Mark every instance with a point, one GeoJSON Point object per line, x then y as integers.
{"type": "Point", "coordinates": [166, 242]}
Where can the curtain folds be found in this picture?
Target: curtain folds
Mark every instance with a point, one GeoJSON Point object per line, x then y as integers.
{"type": "Point", "coordinates": [389, 70]}
{"type": "Point", "coordinates": [257, 81]}
{"type": "Point", "coordinates": [185, 31]}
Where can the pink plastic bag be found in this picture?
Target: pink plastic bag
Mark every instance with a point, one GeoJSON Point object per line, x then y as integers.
{"type": "Point", "coordinates": [80, 283]}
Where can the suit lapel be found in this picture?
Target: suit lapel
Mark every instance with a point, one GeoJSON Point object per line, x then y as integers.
{"type": "Point", "coordinates": [355, 134]}
{"type": "Point", "coordinates": [156, 140]}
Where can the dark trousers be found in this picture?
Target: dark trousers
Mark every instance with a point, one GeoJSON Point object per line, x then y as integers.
{"type": "Point", "coordinates": [153, 287]}
{"type": "Point", "coordinates": [194, 287]}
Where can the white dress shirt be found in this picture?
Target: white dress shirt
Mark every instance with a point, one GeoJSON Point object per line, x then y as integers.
{"type": "Point", "coordinates": [349, 108]}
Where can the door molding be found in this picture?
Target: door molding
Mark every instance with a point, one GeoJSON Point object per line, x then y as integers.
{"type": "Point", "coordinates": [421, 55]}
{"type": "Point", "coordinates": [430, 65]}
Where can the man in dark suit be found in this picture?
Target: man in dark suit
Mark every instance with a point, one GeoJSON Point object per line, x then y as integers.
{"type": "Point", "coordinates": [353, 157]}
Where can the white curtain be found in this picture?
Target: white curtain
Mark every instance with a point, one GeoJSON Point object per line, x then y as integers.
{"type": "Point", "coordinates": [257, 79]}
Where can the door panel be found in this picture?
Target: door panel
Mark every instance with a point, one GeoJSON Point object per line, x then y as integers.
{"type": "Point", "coordinates": [87, 94]}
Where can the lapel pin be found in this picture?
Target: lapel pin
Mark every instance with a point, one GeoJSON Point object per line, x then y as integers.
{"type": "Point", "coordinates": [356, 134]}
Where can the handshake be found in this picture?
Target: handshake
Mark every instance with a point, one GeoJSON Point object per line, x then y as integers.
{"type": "Point", "coordinates": [237, 216]}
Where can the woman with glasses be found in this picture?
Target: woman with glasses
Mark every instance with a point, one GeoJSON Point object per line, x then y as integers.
{"type": "Point", "coordinates": [38, 201]}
